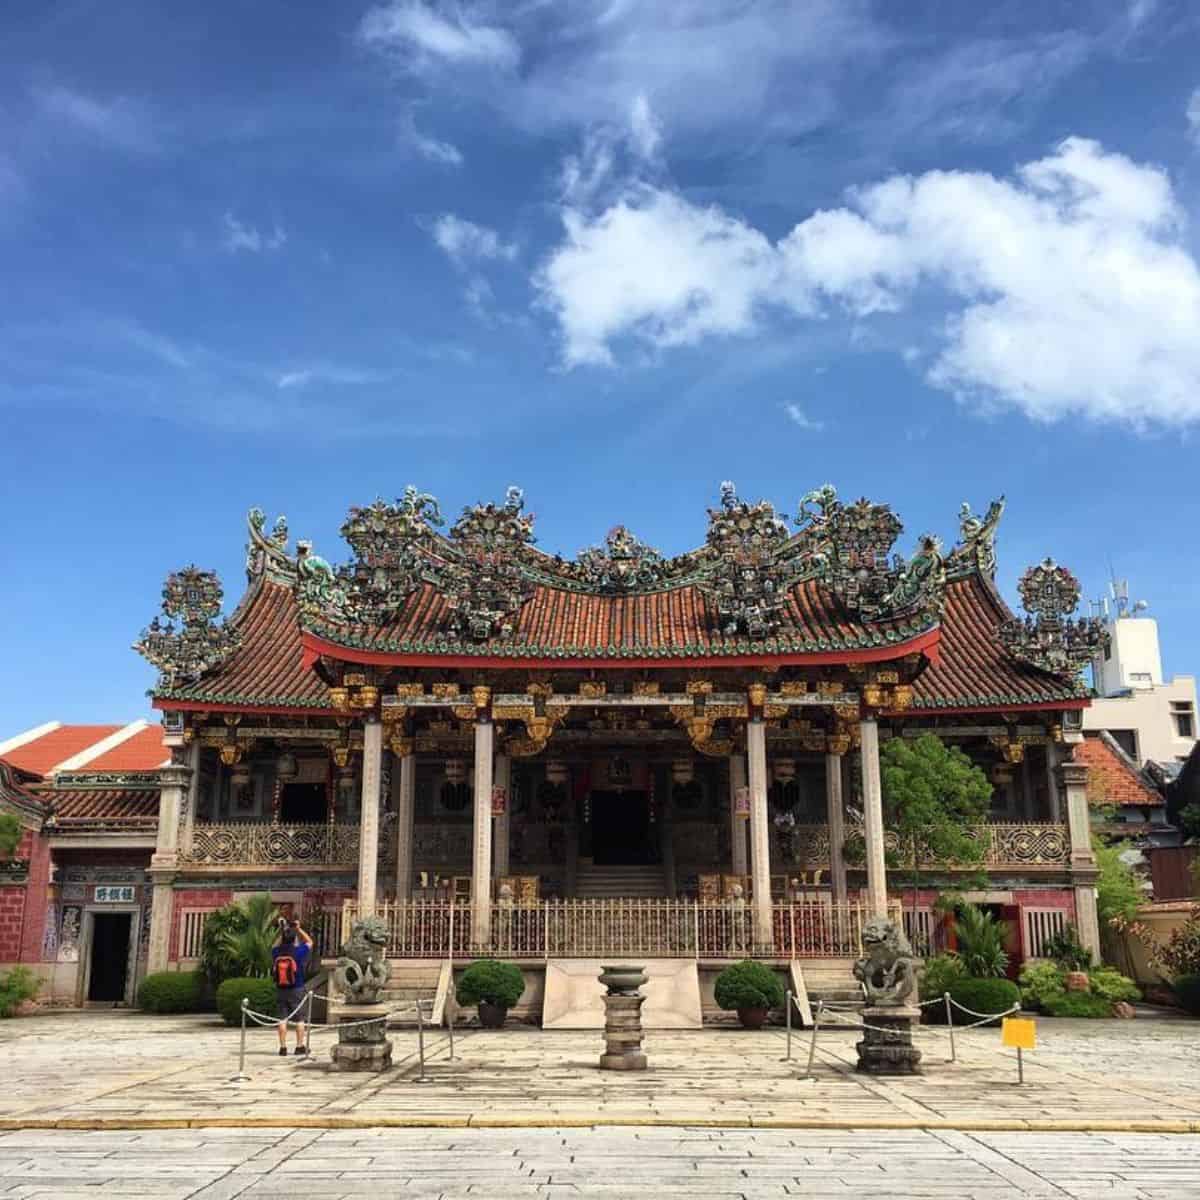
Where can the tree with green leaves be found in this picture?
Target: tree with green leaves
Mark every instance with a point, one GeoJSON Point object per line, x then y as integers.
{"type": "Point", "coordinates": [10, 834]}
{"type": "Point", "coordinates": [932, 795]}
{"type": "Point", "coordinates": [1118, 892]}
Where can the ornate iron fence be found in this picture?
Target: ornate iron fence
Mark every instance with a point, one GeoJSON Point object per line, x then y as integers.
{"type": "Point", "coordinates": [635, 928]}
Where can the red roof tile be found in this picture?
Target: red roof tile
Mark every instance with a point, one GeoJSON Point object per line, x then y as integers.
{"type": "Point", "coordinates": [1118, 780]}
{"type": "Point", "coordinates": [144, 751]}
{"type": "Point", "coordinates": [45, 753]}
{"type": "Point", "coordinates": [103, 804]}
{"type": "Point", "coordinates": [974, 670]}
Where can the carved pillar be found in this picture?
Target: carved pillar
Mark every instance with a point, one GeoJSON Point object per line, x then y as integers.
{"type": "Point", "coordinates": [737, 824]}
{"type": "Point", "coordinates": [1083, 861]}
{"type": "Point", "coordinates": [1053, 794]}
{"type": "Point", "coordinates": [368, 836]}
{"type": "Point", "coordinates": [481, 866]}
{"type": "Point", "coordinates": [187, 816]}
{"type": "Point", "coordinates": [503, 779]}
{"type": "Point", "coordinates": [173, 786]}
{"type": "Point", "coordinates": [835, 816]}
{"type": "Point", "coordinates": [405, 800]}
{"type": "Point", "coordinates": [872, 798]}
{"type": "Point", "coordinates": [760, 837]}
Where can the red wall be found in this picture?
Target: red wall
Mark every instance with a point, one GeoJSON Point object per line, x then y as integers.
{"type": "Point", "coordinates": [13, 901]}
{"type": "Point", "coordinates": [193, 898]}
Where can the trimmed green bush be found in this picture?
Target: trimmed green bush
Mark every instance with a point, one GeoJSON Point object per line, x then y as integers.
{"type": "Point", "coordinates": [498, 983]}
{"type": "Point", "coordinates": [1187, 992]}
{"type": "Point", "coordinates": [1077, 1004]}
{"type": "Point", "coordinates": [261, 993]}
{"type": "Point", "coordinates": [17, 986]}
{"type": "Point", "coordinates": [1039, 982]}
{"type": "Point", "coordinates": [1109, 984]}
{"type": "Point", "coordinates": [1065, 949]}
{"type": "Point", "coordinates": [983, 996]}
{"type": "Point", "coordinates": [172, 992]}
{"type": "Point", "coordinates": [748, 984]}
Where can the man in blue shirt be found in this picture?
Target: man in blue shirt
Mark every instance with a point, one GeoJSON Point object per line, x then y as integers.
{"type": "Point", "coordinates": [289, 959]}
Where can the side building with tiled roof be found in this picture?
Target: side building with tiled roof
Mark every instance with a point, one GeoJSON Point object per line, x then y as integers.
{"type": "Point", "coordinates": [496, 747]}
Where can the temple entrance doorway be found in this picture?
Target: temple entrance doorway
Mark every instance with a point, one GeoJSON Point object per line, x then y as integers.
{"type": "Point", "coordinates": [621, 829]}
{"type": "Point", "coordinates": [109, 956]}
{"type": "Point", "coordinates": [303, 804]}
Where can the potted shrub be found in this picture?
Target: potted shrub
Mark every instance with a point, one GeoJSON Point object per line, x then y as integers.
{"type": "Point", "coordinates": [751, 989]}
{"type": "Point", "coordinates": [494, 987]}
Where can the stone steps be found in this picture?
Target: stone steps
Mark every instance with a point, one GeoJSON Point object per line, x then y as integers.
{"type": "Point", "coordinates": [620, 883]}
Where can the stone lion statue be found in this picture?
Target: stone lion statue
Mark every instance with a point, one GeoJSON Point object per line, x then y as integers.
{"type": "Point", "coordinates": [362, 968]}
{"type": "Point", "coordinates": [887, 969]}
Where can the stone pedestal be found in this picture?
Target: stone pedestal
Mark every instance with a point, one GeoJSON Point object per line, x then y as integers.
{"type": "Point", "coordinates": [362, 1047]}
{"type": "Point", "coordinates": [887, 1048]}
{"type": "Point", "coordinates": [623, 1019]}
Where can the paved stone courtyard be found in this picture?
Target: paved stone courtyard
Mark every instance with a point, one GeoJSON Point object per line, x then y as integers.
{"type": "Point", "coordinates": [524, 1113]}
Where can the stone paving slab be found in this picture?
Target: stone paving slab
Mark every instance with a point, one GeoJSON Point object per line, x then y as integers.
{"type": "Point", "coordinates": [127, 1069]}
{"type": "Point", "coordinates": [436, 1164]}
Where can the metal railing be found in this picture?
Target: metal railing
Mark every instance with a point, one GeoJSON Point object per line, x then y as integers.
{"type": "Point", "coordinates": [647, 928]}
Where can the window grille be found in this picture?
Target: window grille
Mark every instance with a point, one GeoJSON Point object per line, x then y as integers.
{"type": "Point", "coordinates": [1041, 924]}
{"type": "Point", "coordinates": [191, 931]}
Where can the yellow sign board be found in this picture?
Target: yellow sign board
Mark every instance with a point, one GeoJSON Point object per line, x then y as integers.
{"type": "Point", "coordinates": [1018, 1033]}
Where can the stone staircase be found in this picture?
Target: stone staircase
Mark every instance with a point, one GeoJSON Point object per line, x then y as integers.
{"type": "Point", "coordinates": [409, 980]}
{"type": "Point", "coordinates": [831, 980]}
{"type": "Point", "coordinates": [618, 883]}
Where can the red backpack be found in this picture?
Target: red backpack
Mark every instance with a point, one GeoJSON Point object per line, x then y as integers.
{"type": "Point", "coordinates": [286, 970]}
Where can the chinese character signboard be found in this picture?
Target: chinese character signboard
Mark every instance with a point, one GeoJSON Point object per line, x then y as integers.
{"type": "Point", "coordinates": [107, 893]}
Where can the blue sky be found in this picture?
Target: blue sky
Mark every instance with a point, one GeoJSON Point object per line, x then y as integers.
{"type": "Point", "coordinates": [300, 255]}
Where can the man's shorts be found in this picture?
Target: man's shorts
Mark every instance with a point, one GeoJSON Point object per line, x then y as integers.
{"type": "Point", "coordinates": [286, 1000]}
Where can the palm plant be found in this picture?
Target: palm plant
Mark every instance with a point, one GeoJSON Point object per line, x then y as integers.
{"type": "Point", "coordinates": [241, 942]}
{"type": "Point", "coordinates": [981, 941]}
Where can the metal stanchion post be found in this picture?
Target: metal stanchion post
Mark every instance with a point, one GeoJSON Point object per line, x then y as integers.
{"type": "Point", "coordinates": [950, 1024]}
{"type": "Point", "coordinates": [812, 1046]}
{"type": "Point", "coordinates": [241, 1076]}
{"type": "Point", "coordinates": [1020, 1067]}
{"type": "Point", "coordinates": [421, 1043]}
{"type": "Point", "coordinates": [450, 1026]}
{"type": "Point", "coordinates": [788, 1021]}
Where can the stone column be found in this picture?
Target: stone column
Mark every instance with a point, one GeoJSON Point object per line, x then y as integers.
{"type": "Point", "coordinates": [172, 796]}
{"type": "Point", "coordinates": [187, 817]}
{"type": "Point", "coordinates": [503, 779]}
{"type": "Point", "coordinates": [481, 866]}
{"type": "Point", "coordinates": [835, 816]}
{"type": "Point", "coordinates": [1083, 861]}
{"type": "Point", "coordinates": [737, 825]}
{"type": "Point", "coordinates": [1053, 797]}
{"type": "Point", "coordinates": [760, 837]}
{"type": "Point", "coordinates": [405, 801]}
{"type": "Point", "coordinates": [368, 830]}
{"type": "Point", "coordinates": [872, 798]}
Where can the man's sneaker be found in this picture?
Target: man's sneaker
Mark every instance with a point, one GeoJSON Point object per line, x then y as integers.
{"type": "Point", "coordinates": [283, 1052]}
{"type": "Point", "coordinates": [301, 1051]}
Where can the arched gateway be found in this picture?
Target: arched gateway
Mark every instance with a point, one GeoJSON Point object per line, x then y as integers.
{"type": "Point", "coordinates": [507, 751]}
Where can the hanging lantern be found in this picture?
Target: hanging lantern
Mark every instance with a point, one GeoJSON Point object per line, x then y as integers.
{"type": "Point", "coordinates": [785, 770]}
{"type": "Point", "coordinates": [456, 770]}
{"type": "Point", "coordinates": [499, 800]}
{"type": "Point", "coordinates": [285, 766]}
{"type": "Point", "coordinates": [557, 772]}
{"type": "Point", "coordinates": [345, 782]}
{"type": "Point", "coordinates": [683, 770]}
{"type": "Point", "coordinates": [741, 803]}
{"type": "Point", "coordinates": [240, 776]}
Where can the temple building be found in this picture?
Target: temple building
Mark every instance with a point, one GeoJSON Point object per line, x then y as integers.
{"type": "Point", "coordinates": [503, 751]}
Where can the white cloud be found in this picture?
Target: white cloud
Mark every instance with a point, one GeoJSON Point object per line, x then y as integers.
{"type": "Point", "coordinates": [122, 123]}
{"type": "Point", "coordinates": [434, 149]}
{"type": "Point", "coordinates": [801, 419]}
{"type": "Point", "coordinates": [1193, 116]}
{"type": "Point", "coordinates": [241, 236]}
{"type": "Point", "coordinates": [423, 35]}
{"type": "Point", "coordinates": [1068, 288]}
{"type": "Point", "coordinates": [329, 373]}
{"type": "Point", "coordinates": [644, 128]}
{"type": "Point", "coordinates": [465, 242]}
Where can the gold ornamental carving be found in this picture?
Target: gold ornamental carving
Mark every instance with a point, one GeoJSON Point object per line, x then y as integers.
{"type": "Point", "coordinates": [341, 756]}
{"type": "Point", "coordinates": [402, 747]}
{"type": "Point", "coordinates": [410, 691]}
{"type": "Point", "coordinates": [464, 712]}
{"type": "Point", "coordinates": [699, 687]}
{"type": "Point", "coordinates": [512, 712]}
{"type": "Point", "coordinates": [231, 755]}
{"type": "Point", "coordinates": [837, 743]}
{"type": "Point", "coordinates": [846, 712]}
{"type": "Point", "coordinates": [902, 696]}
{"type": "Point", "coordinates": [481, 696]}
{"type": "Point", "coordinates": [772, 712]}
{"type": "Point", "coordinates": [757, 692]}
{"type": "Point", "coordinates": [794, 687]}
{"type": "Point", "coordinates": [873, 695]}
{"type": "Point", "coordinates": [339, 699]}
{"type": "Point", "coordinates": [830, 687]}
{"type": "Point", "coordinates": [647, 687]}
{"type": "Point", "coordinates": [727, 711]}
{"type": "Point", "coordinates": [538, 688]}
{"type": "Point", "coordinates": [445, 691]}
{"type": "Point", "coordinates": [888, 677]}
{"type": "Point", "coordinates": [716, 747]}
{"type": "Point", "coordinates": [593, 689]}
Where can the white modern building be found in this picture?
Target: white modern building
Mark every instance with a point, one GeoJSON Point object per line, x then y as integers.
{"type": "Point", "coordinates": [1153, 720]}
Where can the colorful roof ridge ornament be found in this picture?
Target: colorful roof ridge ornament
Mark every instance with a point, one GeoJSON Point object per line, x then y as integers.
{"type": "Point", "coordinates": [192, 597]}
{"type": "Point", "coordinates": [267, 553]}
{"type": "Point", "coordinates": [976, 549]}
{"type": "Point", "coordinates": [1048, 638]}
{"type": "Point", "coordinates": [484, 579]}
{"type": "Point", "coordinates": [623, 564]}
{"type": "Point", "coordinates": [746, 581]}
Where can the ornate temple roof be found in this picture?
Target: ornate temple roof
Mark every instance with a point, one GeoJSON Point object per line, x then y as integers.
{"type": "Point", "coordinates": [755, 593]}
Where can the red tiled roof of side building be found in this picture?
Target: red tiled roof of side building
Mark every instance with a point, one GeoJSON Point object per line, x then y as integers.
{"type": "Point", "coordinates": [144, 751]}
{"type": "Point", "coordinates": [1120, 780]}
{"type": "Point", "coordinates": [103, 804]}
{"type": "Point", "coordinates": [46, 752]}
{"type": "Point", "coordinates": [973, 669]}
